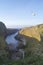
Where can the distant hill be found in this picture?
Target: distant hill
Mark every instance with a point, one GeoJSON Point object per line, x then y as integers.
{"type": "Point", "coordinates": [11, 30]}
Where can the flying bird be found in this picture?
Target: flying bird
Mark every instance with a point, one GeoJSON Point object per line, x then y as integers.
{"type": "Point", "coordinates": [34, 14]}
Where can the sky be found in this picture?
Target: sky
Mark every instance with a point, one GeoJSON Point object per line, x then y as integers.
{"type": "Point", "coordinates": [15, 13]}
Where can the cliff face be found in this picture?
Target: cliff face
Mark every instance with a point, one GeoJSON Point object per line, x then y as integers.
{"type": "Point", "coordinates": [3, 29]}
{"type": "Point", "coordinates": [31, 32]}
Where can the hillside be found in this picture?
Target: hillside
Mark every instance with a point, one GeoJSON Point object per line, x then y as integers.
{"type": "Point", "coordinates": [34, 31]}
{"type": "Point", "coordinates": [3, 29]}
{"type": "Point", "coordinates": [31, 32]}
{"type": "Point", "coordinates": [3, 53]}
{"type": "Point", "coordinates": [11, 30]}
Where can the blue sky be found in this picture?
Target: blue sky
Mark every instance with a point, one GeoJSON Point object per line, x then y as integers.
{"type": "Point", "coordinates": [19, 12]}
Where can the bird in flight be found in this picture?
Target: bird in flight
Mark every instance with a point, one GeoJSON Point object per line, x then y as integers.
{"type": "Point", "coordinates": [34, 14]}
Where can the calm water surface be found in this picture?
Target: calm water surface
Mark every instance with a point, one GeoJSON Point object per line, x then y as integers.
{"type": "Point", "coordinates": [10, 39]}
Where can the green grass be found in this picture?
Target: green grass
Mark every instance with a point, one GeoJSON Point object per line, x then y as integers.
{"type": "Point", "coordinates": [29, 60]}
